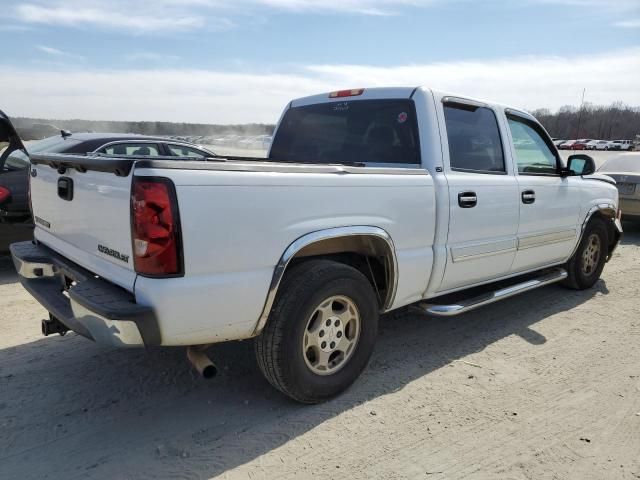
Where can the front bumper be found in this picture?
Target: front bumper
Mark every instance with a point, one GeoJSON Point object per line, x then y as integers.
{"type": "Point", "coordinates": [90, 306]}
{"type": "Point", "coordinates": [630, 206]}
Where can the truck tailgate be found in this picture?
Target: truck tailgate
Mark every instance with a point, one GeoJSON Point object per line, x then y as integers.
{"type": "Point", "coordinates": [85, 216]}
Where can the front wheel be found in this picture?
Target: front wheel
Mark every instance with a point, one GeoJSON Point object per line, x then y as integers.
{"type": "Point", "coordinates": [321, 331]}
{"type": "Point", "coordinates": [586, 264]}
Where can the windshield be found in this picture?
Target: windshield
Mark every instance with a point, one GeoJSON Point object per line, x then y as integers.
{"type": "Point", "coordinates": [56, 144]}
{"type": "Point", "coordinates": [363, 131]}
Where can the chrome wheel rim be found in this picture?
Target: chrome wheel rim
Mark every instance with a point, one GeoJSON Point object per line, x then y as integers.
{"type": "Point", "coordinates": [591, 254]}
{"type": "Point", "coordinates": [331, 335]}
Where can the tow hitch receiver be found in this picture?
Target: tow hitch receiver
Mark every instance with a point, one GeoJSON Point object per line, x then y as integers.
{"type": "Point", "coordinates": [53, 325]}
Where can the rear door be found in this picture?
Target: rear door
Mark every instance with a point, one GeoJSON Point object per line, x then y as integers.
{"type": "Point", "coordinates": [549, 204]}
{"type": "Point", "coordinates": [483, 194]}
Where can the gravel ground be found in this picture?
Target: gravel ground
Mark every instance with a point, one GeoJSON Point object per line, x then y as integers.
{"type": "Point", "coordinates": [545, 385]}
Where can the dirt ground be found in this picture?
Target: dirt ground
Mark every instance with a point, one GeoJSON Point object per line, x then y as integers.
{"type": "Point", "coordinates": [545, 385]}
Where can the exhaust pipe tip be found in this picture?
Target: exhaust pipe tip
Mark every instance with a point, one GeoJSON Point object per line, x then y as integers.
{"type": "Point", "coordinates": [209, 371]}
{"type": "Point", "coordinates": [201, 362]}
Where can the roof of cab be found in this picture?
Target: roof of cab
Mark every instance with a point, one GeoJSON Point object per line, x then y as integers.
{"type": "Point", "coordinates": [396, 92]}
{"type": "Point", "coordinates": [367, 94]}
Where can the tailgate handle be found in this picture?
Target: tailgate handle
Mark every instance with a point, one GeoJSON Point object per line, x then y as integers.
{"type": "Point", "coordinates": [65, 188]}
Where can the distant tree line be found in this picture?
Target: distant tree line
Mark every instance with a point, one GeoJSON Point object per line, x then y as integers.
{"type": "Point", "coordinates": [613, 122]}
{"type": "Point", "coordinates": [616, 121]}
{"type": "Point", "coordinates": [38, 128]}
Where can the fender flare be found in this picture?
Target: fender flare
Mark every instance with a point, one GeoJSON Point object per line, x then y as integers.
{"type": "Point", "coordinates": [609, 210]}
{"type": "Point", "coordinates": [318, 236]}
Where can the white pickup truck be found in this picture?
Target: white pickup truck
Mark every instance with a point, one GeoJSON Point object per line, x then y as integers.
{"type": "Point", "coordinates": [370, 200]}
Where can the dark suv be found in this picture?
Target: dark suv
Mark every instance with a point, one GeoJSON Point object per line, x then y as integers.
{"type": "Point", "coordinates": [14, 160]}
{"type": "Point", "coordinates": [15, 218]}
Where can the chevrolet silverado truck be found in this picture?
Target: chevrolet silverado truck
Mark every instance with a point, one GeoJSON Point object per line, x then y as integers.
{"type": "Point", "coordinates": [370, 200]}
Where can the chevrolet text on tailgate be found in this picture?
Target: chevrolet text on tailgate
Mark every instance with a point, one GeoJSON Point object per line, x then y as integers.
{"type": "Point", "coordinates": [370, 200]}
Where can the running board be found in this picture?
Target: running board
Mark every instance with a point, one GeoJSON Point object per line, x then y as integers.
{"type": "Point", "coordinates": [556, 275]}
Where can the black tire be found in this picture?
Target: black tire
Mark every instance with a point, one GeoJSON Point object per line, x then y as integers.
{"type": "Point", "coordinates": [279, 350]}
{"type": "Point", "coordinates": [582, 273]}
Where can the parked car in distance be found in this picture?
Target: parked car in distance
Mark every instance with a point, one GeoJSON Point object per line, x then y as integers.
{"type": "Point", "coordinates": [580, 144]}
{"type": "Point", "coordinates": [625, 170]}
{"type": "Point", "coordinates": [621, 145]}
{"type": "Point", "coordinates": [557, 142]}
{"type": "Point", "coordinates": [566, 145]}
{"type": "Point", "coordinates": [258, 142]}
{"type": "Point", "coordinates": [370, 200]}
{"type": "Point", "coordinates": [602, 145]}
{"type": "Point", "coordinates": [591, 144]}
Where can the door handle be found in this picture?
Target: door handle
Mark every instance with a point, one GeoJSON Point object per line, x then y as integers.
{"type": "Point", "coordinates": [528, 196]}
{"type": "Point", "coordinates": [467, 199]}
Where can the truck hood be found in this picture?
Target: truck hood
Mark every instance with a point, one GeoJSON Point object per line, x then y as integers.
{"type": "Point", "coordinates": [601, 177]}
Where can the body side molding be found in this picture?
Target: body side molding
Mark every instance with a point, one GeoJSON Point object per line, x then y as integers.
{"type": "Point", "coordinates": [318, 236]}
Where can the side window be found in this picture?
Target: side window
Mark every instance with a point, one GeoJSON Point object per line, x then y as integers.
{"type": "Point", "coordinates": [474, 139]}
{"type": "Point", "coordinates": [181, 151]}
{"type": "Point", "coordinates": [136, 149]}
{"type": "Point", "coordinates": [534, 155]}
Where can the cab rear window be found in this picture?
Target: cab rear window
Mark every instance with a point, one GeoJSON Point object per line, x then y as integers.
{"type": "Point", "coordinates": [364, 131]}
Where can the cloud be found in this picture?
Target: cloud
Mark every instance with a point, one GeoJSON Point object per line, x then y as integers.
{"type": "Point", "coordinates": [600, 5]}
{"type": "Point", "coordinates": [365, 7]}
{"type": "Point", "coordinates": [58, 53]}
{"type": "Point", "coordinates": [114, 15]}
{"type": "Point", "coordinates": [152, 57]}
{"type": "Point", "coordinates": [530, 82]}
{"type": "Point", "coordinates": [634, 23]}
{"type": "Point", "coordinates": [170, 16]}
{"type": "Point", "coordinates": [14, 28]}
{"type": "Point", "coordinates": [225, 97]}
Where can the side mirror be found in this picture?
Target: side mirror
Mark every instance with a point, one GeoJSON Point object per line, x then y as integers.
{"type": "Point", "coordinates": [581, 164]}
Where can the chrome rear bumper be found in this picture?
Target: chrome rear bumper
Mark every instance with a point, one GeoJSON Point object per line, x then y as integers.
{"type": "Point", "coordinates": [89, 306]}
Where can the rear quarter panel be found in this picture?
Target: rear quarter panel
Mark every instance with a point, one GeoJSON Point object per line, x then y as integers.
{"type": "Point", "coordinates": [236, 226]}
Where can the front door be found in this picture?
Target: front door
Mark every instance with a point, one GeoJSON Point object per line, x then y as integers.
{"type": "Point", "coordinates": [483, 197]}
{"type": "Point", "coordinates": [549, 203]}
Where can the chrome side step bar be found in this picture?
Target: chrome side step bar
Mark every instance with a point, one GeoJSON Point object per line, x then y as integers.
{"type": "Point", "coordinates": [439, 310]}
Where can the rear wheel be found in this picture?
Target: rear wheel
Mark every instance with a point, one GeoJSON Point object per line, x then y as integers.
{"type": "Point", "coordinates": [321, 331]}
{"type": "Point", "coordinates": [586, 264]}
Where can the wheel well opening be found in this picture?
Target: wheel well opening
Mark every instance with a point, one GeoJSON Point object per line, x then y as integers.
{"type": "Point", "coordinates": [371, 255]}
{"type": "Point", "coordinates": [607, 217]}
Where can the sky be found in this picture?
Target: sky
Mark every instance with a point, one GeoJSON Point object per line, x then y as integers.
{"type": "Point", "coordinates": [238, 61]}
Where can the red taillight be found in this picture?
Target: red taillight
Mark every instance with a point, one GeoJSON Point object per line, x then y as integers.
{"type": "Point", "coordinates": [5, 194]}
{"type": "Point", "coordinates": [347, 93]}
{"type": "Point", "coordinates": [155, 227]}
